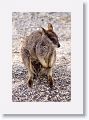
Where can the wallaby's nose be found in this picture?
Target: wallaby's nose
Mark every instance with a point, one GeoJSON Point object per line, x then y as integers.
{"type": "Point", "coordinates": [58, 45]}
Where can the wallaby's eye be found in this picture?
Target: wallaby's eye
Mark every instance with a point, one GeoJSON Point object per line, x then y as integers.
{"type": "Point", "coordinates": [53, 37]}
{"type": "Point", "coordinates": [54, 40]}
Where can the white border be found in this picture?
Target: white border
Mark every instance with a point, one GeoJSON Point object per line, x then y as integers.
{"type": "Point", "coordinates": [76, 104]}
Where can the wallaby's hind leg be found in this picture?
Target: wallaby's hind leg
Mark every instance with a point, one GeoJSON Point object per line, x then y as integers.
{"type": "Point", "coordinates": [27, 62]}
{"type": "Point", "coordinates": [31, 73]}
{"type": "Point", "coordinates": [50, 81]}
{"type": "Point", "coordinates": [30, 80]}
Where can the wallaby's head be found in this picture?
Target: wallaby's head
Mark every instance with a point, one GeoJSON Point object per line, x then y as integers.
{"type": "Point", "coordinates": [51, 35]}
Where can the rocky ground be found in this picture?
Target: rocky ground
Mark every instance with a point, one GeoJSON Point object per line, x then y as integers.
{"type": "Point", "coordinates": [22, 25]}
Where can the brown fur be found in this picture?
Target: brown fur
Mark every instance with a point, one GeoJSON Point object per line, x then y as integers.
{"type": "Point", "coordinates": [38, 51]}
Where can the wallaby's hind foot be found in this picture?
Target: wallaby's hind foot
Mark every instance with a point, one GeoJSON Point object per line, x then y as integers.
{"type": "Point", "coordinates": [50, 81]}
{"type": "Point", "coordinates": [30, 83]}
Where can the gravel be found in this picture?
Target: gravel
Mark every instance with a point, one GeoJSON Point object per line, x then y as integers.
{"type": "Point", "coordinates": [22, 25]}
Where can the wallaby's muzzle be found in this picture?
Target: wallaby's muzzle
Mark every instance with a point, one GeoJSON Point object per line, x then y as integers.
{"type": "Point", "coordinates": [58, 45]}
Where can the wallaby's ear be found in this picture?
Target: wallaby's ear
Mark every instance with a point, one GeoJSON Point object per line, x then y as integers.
{"type": "Point", "coordinates": [50, 27]}
{"type": "Point", "coordinates": [44, 31]}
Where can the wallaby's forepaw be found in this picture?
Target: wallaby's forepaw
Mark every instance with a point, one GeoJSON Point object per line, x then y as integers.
{"type": "Point", "coordinates": [45, 65]}
{"type": "Point", "coordinates": [30, 82]}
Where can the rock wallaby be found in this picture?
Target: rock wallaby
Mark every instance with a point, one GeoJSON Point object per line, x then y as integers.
{"type": "Point", "coordinates": [38, 51]}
